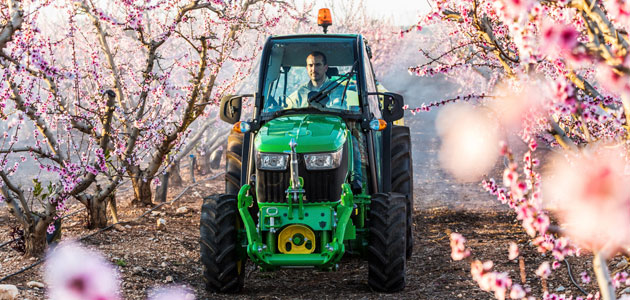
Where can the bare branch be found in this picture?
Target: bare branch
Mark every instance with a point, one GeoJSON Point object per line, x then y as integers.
{"type": "Point", "coordinates": [561, 136]}
{"type": "Point", "coordinates": [20, 195]}
{"type": "Point", "coordinates": [35, 150]}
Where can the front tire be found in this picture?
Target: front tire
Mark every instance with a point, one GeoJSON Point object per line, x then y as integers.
{"type": "Point", "coordinates": [223, 269]}
{"type": "Point", "coordinates": [402, 175]}
{"type": "Point", "coordinates": [386, 242]}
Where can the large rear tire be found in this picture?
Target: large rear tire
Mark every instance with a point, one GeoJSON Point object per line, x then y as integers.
{"type": "Point", "coordinates": [233, 163]}
{"type": "Point", "coordinates": [402, 175]}
{"type": "Point", "coordinates": [386, 242]}
{"type": "Point", "coordinates": [223, 270]}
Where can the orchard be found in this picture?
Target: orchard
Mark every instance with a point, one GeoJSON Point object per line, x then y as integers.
{"type": "Point", "coordinates": [112, 135]}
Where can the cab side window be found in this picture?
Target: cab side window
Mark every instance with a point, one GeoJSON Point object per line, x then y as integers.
{"type": "Point", "coordinates": [371, 85]}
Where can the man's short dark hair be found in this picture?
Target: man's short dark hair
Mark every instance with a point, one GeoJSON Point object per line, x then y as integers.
{"type": "Point", "coordinates": [316, 54]}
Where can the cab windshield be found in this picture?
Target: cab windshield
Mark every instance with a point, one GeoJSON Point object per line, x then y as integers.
{"type": "Point", "coordinates": [288, 85]}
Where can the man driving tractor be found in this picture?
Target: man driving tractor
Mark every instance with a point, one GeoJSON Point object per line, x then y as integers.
{"type": "Point", "coordinates": [316, 68]}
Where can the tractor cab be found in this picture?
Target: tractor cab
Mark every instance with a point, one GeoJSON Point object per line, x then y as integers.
{"type": "Point", "coordinates": [319, 171]}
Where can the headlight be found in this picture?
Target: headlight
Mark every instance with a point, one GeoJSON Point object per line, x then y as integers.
{"type": "Point", "coordinates": [322, 161]}
{"type": "Point", "coordinates": [272, 161]}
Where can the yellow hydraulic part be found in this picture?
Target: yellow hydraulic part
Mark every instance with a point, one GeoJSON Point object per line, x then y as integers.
{"type": "Point", "coordinates": [296, 239]}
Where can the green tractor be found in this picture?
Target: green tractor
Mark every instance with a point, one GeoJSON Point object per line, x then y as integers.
{"type": "Point", "coordinates": [317, 172]}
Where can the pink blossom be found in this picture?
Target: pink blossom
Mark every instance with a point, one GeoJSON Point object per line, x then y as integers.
{"type": "Point", "coordinates": [591, 194]}
{"type": "Point", "coordinates": [555, 264]}
{"type": "Point", "coordinates": [74, 272]}
{"type": "Point", "coordinates": [502, 283]}
{"type": "Point", "coordinates": [458, 247]}
{"type": "Point", "coordinates": [513, 251]}
{"type": "Point", "coordinates": [516, 101]}
{"type": "Point", "coordinates": [510, 177]}
{"type": "Point", "coordinates": [517, 292]}
{"type": "Point", "coordinates": [513, 9]}
{"type": "Point", "coordinates": [543, 270]}
{"type": "Point", "coordinates": [469, 141]}
{"type": "Point", "coordinates": [477, 269]}
{"type": "Point", "coordinates": [611, 80]}
{"type": "Point", "coordinates": [558, 39]}
{"type": "Point", "coordinates": [51, 228]}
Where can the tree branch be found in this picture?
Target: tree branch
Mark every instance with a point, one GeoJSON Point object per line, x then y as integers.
{"type": "Point", "coordinates": [27, 216]}
{"type": "Point", "coordinates": [35, 150]}
{"type": "Point", "coordinates": [13, 24]}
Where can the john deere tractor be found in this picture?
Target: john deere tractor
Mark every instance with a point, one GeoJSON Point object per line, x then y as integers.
{"type": "Point", "coordinates": [309, 181]}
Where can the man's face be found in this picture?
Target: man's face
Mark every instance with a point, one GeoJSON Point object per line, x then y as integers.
{"type": "Point", "coordinates": [316, 68]}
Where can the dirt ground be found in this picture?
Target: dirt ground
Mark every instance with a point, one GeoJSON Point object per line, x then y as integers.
{"type": "Point", "coordinates": [152, 255]}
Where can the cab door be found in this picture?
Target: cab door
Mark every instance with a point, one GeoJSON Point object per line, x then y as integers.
{"type": "Point", "coordinates": [381, 156]}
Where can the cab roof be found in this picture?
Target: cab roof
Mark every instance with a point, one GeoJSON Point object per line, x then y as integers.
{"type": "Point", "coordinates": [318, 35]}
{"type": "Point", "coordinates": [339, 48]}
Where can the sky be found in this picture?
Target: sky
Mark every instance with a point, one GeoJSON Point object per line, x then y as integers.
{"type": "Point", "coordinates": [402, 12]}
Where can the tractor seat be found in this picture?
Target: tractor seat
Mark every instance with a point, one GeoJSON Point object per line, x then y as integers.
{"type": "Point", "coordinates": [332, 71]}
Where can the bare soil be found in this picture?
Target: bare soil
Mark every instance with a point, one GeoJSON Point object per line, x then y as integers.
{"type": "Point", "coordinates": [152, 255]}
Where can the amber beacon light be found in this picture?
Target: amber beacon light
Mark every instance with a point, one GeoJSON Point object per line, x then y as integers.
{"type": "Point", "coordinates": [324, 18]}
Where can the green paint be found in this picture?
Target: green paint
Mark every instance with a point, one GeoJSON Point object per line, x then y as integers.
{"type": "Point", "coordinates": [313, 133]}
{"type": "Point", "coordinates": [314, 214]}
{"type": "Point", "coordinates": [263, 254]}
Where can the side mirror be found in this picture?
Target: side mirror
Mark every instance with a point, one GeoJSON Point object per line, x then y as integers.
{"type": "Point", "coordinates": [392, 106]}
{"type": "Point", "coordinates": [230, 109]}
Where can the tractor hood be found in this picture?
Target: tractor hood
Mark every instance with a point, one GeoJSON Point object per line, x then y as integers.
{"type": "Point", "coordinates": [313, 133]}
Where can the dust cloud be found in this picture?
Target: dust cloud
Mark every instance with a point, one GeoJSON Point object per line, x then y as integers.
{"type": "Point", "coordinates": [433, 187]}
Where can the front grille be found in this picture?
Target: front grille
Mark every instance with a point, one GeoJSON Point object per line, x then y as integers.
{"type": "Point", "coordinates": [319, 186]}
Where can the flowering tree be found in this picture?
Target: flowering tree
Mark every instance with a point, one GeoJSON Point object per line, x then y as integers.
{"type": "Point", "coordinates": [551, 72]}
{"type": "Point", "coordinates": [67, 147]}
{"type": "Point", "coordinates": [186, 47]}
{"type": "Point", "coordinates": [95, 93]}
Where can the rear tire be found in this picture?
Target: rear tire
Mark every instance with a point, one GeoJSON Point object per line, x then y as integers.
{"type": "Point", "coordinates": [223, 270]}
{"type": "Point", "coordinates": [402, 175]}
{"type": "Point", "coordinates": [386, 242]}
{"type": "Point", "coordinates": [233, 163]}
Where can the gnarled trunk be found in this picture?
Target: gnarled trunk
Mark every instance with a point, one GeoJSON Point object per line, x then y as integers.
{"type": "Point", "coordinates": [175, 178]}
{"type": "Point", "coordinates": [97, 213]}
{"type": "Point", "coordinates": [203, 162]}
{"type": "Point", "coordinates": [35, 239]}
{"type": "Point", "coordinates": [142, 192]}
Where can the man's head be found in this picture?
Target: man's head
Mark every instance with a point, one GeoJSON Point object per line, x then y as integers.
{"type": "Point", "coordinates": [316, 66]}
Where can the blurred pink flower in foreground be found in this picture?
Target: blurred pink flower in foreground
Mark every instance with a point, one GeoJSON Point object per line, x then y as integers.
{"type": "Point", "coordinates": [517, 292]}
{"type": "Point", "coordinates": [172, 293]}
{"type": "Point", "coordinates": [513, 251]}
{"type": "Point", "coordinates": [592, 197]}
{"type": "Point", "coordinates": [74, 272]}
{"type": "Point", "coordinates": [470, 144]}
{"type": "Point", "coordinates": [515, 102]}
{"type": "Point", "coordinates": [513, 9]}
{"type": "Point", "coordinates": [558, 39]}
{"type": "Point", "coordinates": [489, 281]}
{"type": "Point", "coordinates": [544, 270]}
{"type": "Point", "coordinates": [611, 80]}
{"type": "Point", "coordinates": [458, 247]}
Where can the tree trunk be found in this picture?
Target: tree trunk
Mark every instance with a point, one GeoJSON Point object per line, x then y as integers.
{"type": "Point", "coordinates": [142, 192]}
{"type": "Point", "coordinates": [203, 162]}
{"type": "Point", "coordinates": [175, 178]}
{"type": "Point", "coordinates": [215, 158]}
{"type": "Point", "coordinates": [97, 213]}
{"type": "Point", "coordinates": [111, 199]}
{"type": "Point", "coordinates": [35, 239]}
